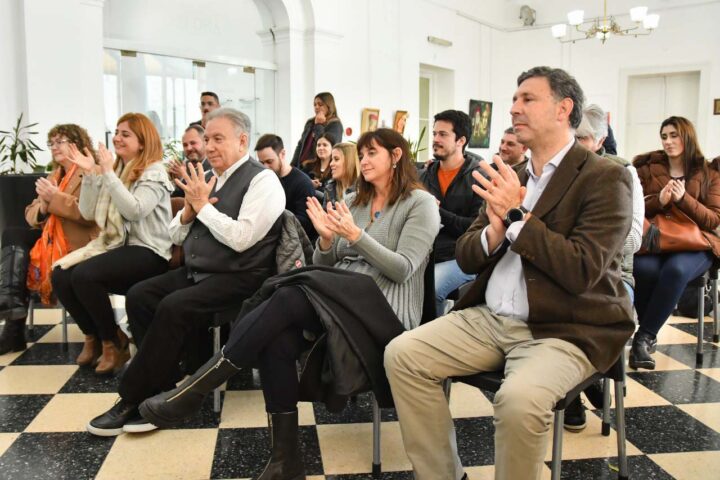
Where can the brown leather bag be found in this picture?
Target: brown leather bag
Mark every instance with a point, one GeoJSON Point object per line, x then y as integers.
{"type": "Point", "coordinates": [672, 231]}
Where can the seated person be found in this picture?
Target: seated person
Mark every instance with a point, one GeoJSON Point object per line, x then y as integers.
{"type": "Point", "coordinates": [129, 199]}
{"type": "Point", "coordinates": [228, 228]}
{"type": "Point", "coordinates": [297, 186]}
{"type": "Point", "coordinates": [450, 180]}
{"type": "Point", "coordinates": [318, 167]}
{"type": "Point", "coordinates": [511, 151]}
{"type": "Point", "coordinates": [548, 307]}
{"type": "Point", "coordinates": [55, 228]}
{"type": "Point", "coordinates": [379, 240]}
{"type": "Point", "coordinates": [344, 168]}
{"type": "Point", "coordinates": [193, 143]}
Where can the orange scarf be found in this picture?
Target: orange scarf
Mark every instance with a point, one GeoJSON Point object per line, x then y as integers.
{"type": "Point", "coordinates": [51, 246]}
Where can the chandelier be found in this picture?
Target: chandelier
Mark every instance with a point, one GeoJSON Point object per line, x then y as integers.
{"type": "Point", "coordinates": [603, 27]}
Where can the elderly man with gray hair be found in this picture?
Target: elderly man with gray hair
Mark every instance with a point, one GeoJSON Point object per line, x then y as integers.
{"type": "Point", "coordinates": [228, 228]}
{"type": "Point", "coordinates": [591, 133]}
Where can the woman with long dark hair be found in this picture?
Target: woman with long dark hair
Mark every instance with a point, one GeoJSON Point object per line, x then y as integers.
{"type": "Point", "coordinates": [678, 176]}
{"type": "Point", "coordinates": [318, 167]}
{"type": "Point", "coordinates": [380, 242]}
{"type": "Point", "coordinates": [325, 120]}
{"type": "Point", "coordinates": [129, 199]}
{"type": "Point", "coordinates": [56, 228]}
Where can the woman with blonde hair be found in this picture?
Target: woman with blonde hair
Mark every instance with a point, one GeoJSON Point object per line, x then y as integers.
{"type": "Point", "coordinates": [129, 199]}
{"type": "Point", "coordinates": [344, 168]}
{"type": "Point", "coordinates": [56, 228]}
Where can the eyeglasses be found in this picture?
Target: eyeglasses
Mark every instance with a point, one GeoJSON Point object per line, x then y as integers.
{"type": "Point", "coordinates": [51, 143]}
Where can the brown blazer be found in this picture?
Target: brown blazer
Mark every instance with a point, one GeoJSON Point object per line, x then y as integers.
{"type": "Point", "coordinates": [78, 231]}
{"type": "Point", "coordinates": [571, 250]}
{"type": "Point", "coordinates": [654, 171]}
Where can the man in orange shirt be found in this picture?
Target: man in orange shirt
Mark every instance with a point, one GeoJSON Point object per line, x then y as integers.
{"type": "Point", "coordinates": [449, 179]}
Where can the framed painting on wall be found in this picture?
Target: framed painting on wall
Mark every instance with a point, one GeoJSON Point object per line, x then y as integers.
{"type": "Point", "coordinates": [480, 116]}
{"type": "Point", "coordinates": [400, 120]}
{"type": "Point", "coordinates": [369, 120]}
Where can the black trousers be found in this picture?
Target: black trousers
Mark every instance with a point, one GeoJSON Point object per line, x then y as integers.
{"type": "Point", "coordinates": [274, 342]}
{"type": "Point", "coordinates": [84, 288]}
{"type": "Point", "coordinates": [163, 312]}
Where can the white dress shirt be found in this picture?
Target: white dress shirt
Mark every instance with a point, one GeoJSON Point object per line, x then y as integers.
{"type": "Point", "coordinates": [263, 203]}
{"type": "Point", "coordinates": [506, 292]}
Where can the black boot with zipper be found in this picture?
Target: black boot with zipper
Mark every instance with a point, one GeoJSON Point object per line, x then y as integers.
{"type": "Point", "coordinates": [171, 408]}
{"type": "Point", "coordinates": [13, 298]}
{"type": "Point", "coordinates": [285, 461]}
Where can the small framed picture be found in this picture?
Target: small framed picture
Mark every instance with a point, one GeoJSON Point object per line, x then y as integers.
{"type": "Point", "coordinates": [370, 119]}
{"type": "Point", "coordinates": [716, 107]}
{"type": "Point", "coordinates": [400, 121]}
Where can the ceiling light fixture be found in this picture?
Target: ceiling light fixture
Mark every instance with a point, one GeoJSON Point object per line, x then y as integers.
{"type": "Point", "coordinates": [604, 27]}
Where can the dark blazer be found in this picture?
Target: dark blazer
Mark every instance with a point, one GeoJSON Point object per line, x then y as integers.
{"type": "Point", "coordinates": [334, 127]}
{"type": "Point", "coordinates": [571, 250]}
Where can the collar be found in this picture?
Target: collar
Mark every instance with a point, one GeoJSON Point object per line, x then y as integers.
{"type": "Point", "coordinates": [226, 174]}
{"type": "Point", "coordinates": [555, 160]}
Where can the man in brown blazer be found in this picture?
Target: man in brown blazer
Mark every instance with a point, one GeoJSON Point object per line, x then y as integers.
{"type": "Point", "coordinates": [548, 306]}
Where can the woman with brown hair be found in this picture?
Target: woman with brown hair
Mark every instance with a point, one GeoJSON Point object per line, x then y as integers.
{"type": "Point", "coordinates": [325, 121]}
{"type": "Point", "coordinates": [676, 177]}
{"type": "Point", "coordinates": [129, 199]}
{"type": "Point", "coordinates": [318, 167]}
{"type": "Point", "coordinates": [57, 228]}
{"type": "Point", "coordinates": [344, 168]}
{"type": "Point", "coordinates": [378, 245]}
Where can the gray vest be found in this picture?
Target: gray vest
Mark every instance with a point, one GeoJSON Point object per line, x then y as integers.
{"type": "Point", "coordinates": [627, 260]}
{"type": "Point", "coordinates": [204, 255]}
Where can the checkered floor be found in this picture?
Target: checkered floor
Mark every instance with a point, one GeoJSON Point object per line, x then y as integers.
{"type": "Point", "coordinates": [673, 418]}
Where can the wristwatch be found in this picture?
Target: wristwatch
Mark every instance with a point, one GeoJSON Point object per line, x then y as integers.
{"type": "Point", "coordinates": [514, 215]}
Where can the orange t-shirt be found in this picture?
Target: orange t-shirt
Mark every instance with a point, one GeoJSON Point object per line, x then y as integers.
{"type": "Point", "coordinates": [445, 178]}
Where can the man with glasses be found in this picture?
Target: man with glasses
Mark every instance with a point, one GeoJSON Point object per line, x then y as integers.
{"type": "Point", "coordinates": [209, 101]}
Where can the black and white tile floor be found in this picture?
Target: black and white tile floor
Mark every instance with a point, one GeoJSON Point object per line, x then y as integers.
{"type": "Point", "coordinates": [673, 424]}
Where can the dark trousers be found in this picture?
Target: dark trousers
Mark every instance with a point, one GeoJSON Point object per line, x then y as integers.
{"type": "Point", "coordinates": [163, 312]}
{"type": "Point", "coordinates": [25, 237]}
{"type": "Point", "coordinates": [274, 342]}
{"type": "Point", "coordinates": [659, 282]}
{"type": "Point", "coordinates": [84, 288]}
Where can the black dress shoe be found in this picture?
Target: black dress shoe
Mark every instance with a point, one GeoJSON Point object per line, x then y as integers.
{"type": "Point", "coordinates": [575, 420]}
{"type": "Point", "coordinates": [110, 423]}
{"type": "Point", "coordinates": [643, 346]}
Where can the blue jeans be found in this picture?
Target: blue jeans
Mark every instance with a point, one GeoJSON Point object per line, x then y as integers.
{"type": "Point", "coordinates": [448, 277]}
{"type": "Point", "coordinates": [659, 282]}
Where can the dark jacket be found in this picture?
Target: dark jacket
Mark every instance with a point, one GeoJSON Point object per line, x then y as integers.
{"type": "Point", "coordinates": [654, 172]}
{"type": "Point", "coordinates": [334, 127]}
{"type": "Point", "coordinates": [458, 208]}
{"type": "Point", "coordinates": [571, 249]}
{"type": "Point", "coordinates": [359, 323]}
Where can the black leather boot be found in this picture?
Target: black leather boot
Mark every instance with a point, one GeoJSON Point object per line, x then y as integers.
{"type": "Point", "coordinates": [170, 408]}
{"type": "Point", "coordinates": [12, 338]}
{"type": "Point", "coordinates": [285, 461]}
{"type": "Point", "coordinates": [13, 278]}
{"type": "Point", "coordinates": [643, 346]}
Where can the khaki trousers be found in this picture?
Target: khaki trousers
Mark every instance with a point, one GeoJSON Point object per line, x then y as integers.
{"type": "Point", "coordinates": [538, 373]}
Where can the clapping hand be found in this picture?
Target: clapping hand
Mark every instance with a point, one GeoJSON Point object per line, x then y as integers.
{"type": "Point", "coordinates": [197, 190]}
{"type": "Point", "coordinates": [503, 191]}
{"type": "Point", "coordinates": [175, 168]}
{"type": "Point", "coordinates": [666, 193]}
{"type": "Point", "coordinates": [83, 160]}
{"type": "Point", "coordinates": [105, 158]}
{"type": "Point", "coordinates": [45, 189]}
{"type": "Point", "coordinates": [677, 189]}
{"type": "Point", "coordinates": [342, 223]}
{"type": "Point", "coordinates": [321, 222]}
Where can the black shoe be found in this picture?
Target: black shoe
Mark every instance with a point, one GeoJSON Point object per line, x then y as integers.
{"type": "Point", "coordinates": [575, 416]}
{"type": "Point", "coordinates": [170, 408]}
{"type": "Point", "coordinates": [12, 338]}
{"type": "Point", "coordinates": [642, 346]}
{"type": "Point", "coordinates": [110, 423]}
{"type": "Point", "coordinates": [285, 461]}
{"type": "Point", "coordinates": [138, 425]}
{"type": "Point", "coordinates": [595, 394]}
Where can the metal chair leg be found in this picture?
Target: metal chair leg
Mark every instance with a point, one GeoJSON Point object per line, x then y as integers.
{"type": "Point", "coordinates": [216, 349]}
{"type": "Point", "coordinates": [64, 329]}
{"type": "Point", "coordinates": [620, 428]}
{"type": "Point", "coordinates": [714, 296]}
{"type": "Point", "coordinates": [376, 465]}
{"type": "Point", "coordinates": [606, 407]}
{"type": "Point", "coordinates": [555, 465]}
{"type": "Point", "coordinates": [700, 327]}
{"type": "Point", "coordinates": [31, 316]}
{"type": "Point", "coordinates": [447, 385]}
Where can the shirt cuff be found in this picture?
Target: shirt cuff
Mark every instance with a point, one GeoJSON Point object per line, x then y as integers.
{"type": "Point", "coordinates": [513, 230]}
{"type": "Point", "coordinates": [484, 242]}
{"type": "Point", "coordinates": [206, 213]}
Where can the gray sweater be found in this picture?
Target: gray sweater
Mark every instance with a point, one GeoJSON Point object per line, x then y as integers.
{"type": "Point", "coordinates": [393, 250]}
{"type": "Point", "coordinates": [145, 207]}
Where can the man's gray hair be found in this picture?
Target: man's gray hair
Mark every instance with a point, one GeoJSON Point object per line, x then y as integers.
{"type": "Point", "coordinates": [594, 123]}
{"type": "Point", "coordinates": [240, 121]}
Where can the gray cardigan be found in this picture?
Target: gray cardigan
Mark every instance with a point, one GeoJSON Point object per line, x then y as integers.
{"type": "Point", "coordinates": [145, 207]}
{"type": "Point", "coordinates": [393, 250]}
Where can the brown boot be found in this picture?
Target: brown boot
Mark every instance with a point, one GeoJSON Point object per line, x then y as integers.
{"type": "Point", "coordinates": [112, 359]}
{"type": "Point", "coordinates": [90, 352]}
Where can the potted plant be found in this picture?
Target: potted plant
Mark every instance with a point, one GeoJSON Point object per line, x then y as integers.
{"type": "Point", "coordinates": [17, 173]}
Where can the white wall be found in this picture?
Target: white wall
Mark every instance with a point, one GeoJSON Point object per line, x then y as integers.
{"type": "Point", "coordinates": [13, 99]}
